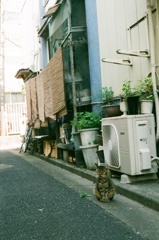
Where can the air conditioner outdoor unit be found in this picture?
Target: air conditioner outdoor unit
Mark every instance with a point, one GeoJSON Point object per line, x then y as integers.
{"type": "Point", "coordinates": [129, 143]}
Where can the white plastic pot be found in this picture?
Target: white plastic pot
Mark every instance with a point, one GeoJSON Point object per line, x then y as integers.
{"type": "Point", "coordinates": [146, 106]}
{"type": "Point", "coordinates": [88, 136]}
{"type": "Point", "coordinates": [90, 155]}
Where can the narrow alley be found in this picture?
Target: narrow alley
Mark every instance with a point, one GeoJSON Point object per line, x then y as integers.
{"type": "Point", "coordinates": [42, 201]}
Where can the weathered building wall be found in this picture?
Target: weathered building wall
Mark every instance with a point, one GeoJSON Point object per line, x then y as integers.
{"type": "Point", "coordinates": [30, 40]}
{"type": "Point", "coordinates": [119, 28]}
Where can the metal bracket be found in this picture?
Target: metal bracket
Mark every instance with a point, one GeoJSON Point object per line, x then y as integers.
{"type": "Point", "coordinates": [126, 62]}
{"type": "Point", "coordinates": [142, 53]}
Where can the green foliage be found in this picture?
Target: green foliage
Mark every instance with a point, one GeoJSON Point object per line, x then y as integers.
{"type": "Point", "coordinates": [84, 194]}
{"type": "Point", "coordinates": [128, 90]}
{"type": "Point", "coordinates": [146, 89]}
{"type": "Point", "coordinates": [95, 141]}
{"type": "Point", "coordinates": [107, 94]}
{"type": "Point", "coordinates": [86, 120]}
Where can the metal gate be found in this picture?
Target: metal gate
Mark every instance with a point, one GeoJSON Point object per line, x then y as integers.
{"type": "Point", "coordinates": [14, 112]}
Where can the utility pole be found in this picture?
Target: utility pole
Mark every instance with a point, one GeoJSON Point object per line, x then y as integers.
{"type": "Point", "coordinates": [2, 98]}
{"type": "Point", "coordinates": [72, 62]}
{"type": "Point", "coordinates": [1, 57]}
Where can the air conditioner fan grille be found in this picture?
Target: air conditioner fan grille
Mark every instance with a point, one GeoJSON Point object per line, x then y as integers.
{"type": "Point", "coordinates": [111, 146]}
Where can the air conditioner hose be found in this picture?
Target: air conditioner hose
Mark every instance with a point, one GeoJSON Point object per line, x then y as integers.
{"type": "Point", "coordinates": [155, 159]}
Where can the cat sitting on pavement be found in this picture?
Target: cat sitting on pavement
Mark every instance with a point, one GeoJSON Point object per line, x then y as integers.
{"type": "Point", "coordinates": [104, 189]}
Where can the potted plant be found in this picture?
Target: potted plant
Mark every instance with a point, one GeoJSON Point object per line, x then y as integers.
{"type": "Point", "coordinates": [111, 105]}
{"type": "Point", "coordinates": [88, 124]}
{"type": "Point", "coordinates": [85, 120]}
{"type": "Point", "coordinates": [131, 95]}
{"type": "Point", "coordinates": [107, 95]}
{"type": "Point", "coordinates": [146, 95]}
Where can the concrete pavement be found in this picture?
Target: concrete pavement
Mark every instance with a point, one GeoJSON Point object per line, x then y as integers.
{"type": "Point", "coordinates": [38, 201]}
{"type": "Point", "coordinates": [145, 192]}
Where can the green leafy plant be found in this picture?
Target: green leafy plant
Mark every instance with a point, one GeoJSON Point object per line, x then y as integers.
{"type": "Point", "coordinates": [86, 120]}
{"type": "Point", "coordinates": [95, 141]}
{"type": "Point", "coordinates": [128, 90]}
{"type": "Point", "coordinates": [107, 94]}
{"type": "Point", "coordinates": [146, 89]}
{"type": "Point", "coordinates": [84, 194]}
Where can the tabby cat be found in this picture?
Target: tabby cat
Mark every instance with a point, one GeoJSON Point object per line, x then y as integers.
{"type": "Point", "coordinates": [104, 190]}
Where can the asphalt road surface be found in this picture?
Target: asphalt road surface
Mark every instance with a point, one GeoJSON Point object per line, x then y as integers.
{"type": "Point", "coordinates": [35, 205]}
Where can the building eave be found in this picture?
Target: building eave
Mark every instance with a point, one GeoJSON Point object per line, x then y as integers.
{"type": "Point", "coordinates": [25, 74]}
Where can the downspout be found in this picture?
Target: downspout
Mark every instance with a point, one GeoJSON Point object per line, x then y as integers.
{"type": "Point", "coordinates": [94, 53]}
{"type": "Point", "coordinates": [153, 64]}
{"type": "Point", "coordinates": [72, 62]}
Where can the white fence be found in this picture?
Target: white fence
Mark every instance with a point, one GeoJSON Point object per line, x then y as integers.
{"type": "Point", "coordinates": [12, 117]}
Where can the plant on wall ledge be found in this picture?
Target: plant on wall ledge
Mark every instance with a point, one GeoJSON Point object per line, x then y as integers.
{"type": "Point", "coordinates": [146, 95]}
{"type": "Point", "coordinates": [107, 95]}
{"type": "Point", "coordinates": [128, 90]}
{"type": "Point", "coordinates": [111, 105]}
{"type": "Point", "coordinates": [146, 89]}
{"type": "Point", "coordinates": [131, 95]}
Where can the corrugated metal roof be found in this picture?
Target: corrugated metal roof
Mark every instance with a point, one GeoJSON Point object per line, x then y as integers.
{"type": "Point", "coordinates": [51, 10]}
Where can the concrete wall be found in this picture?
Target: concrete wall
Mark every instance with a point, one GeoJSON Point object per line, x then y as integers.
{"type": "Point", "coordinates": [30, 43]}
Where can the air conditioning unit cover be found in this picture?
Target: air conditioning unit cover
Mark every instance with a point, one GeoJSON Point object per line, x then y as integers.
{"type": "Point", "coordinates": [129, 143]}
